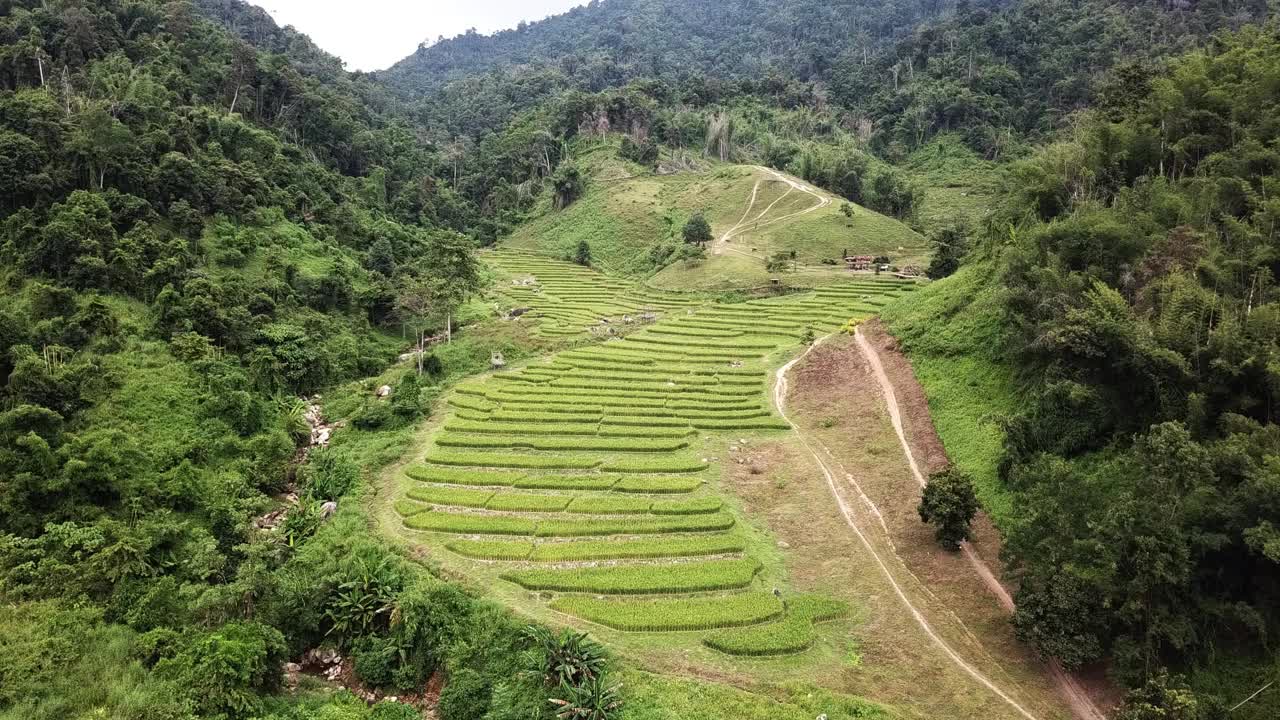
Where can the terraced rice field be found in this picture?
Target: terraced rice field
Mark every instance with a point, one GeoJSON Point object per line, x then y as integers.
{"type": "Point", "coordinates": [570, 298]}
{"type": "Point", "coordinates": [585, 479]}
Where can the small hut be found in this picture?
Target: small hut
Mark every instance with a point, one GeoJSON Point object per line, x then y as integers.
{"type": "Point", "coordinates": [859, 262]}
{"type": "Point", "coordinates": [497, 361]}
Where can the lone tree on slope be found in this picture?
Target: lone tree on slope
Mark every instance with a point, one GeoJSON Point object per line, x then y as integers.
{"type": "Point", "coordinates": [697, 230]}
{"type": "Point", "coordinates": [949, 504]}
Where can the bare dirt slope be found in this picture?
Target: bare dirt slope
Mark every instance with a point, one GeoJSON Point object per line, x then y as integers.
{"type": "Point", "coordinates": [837, 392]}
{"type": "Point", "coordinates": [908, 409]}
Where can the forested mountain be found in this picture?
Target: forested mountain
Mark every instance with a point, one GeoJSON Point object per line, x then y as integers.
{"type": "Point", "coordinates": [993, 69]}
{"type": "Point", "coordinates": [206, 219]}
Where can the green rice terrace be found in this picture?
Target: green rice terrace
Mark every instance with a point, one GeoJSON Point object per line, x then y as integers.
{"type": "Point", "coordinates": [586, 483]}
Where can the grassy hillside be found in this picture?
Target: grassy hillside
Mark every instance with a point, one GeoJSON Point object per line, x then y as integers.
{"type": "Point", "coordinates": [632, 220]}
{"type": "Point", "coordinates": [953, 333]}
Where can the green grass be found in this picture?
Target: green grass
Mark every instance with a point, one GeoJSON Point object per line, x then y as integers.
{"type": "Point", "coordinates": [667, 615]}
{"type": "Point", "coordinates": [491, 549]}
{"type": "Point", "coordinates": [658, 547]}
{"type": "Point", "coordinates": [635, 525]}
{"type": "Point", "coordinates": [641, 579]}
{"type": "Point", "coordinates": [479, 524]}
{"type": "Point", "coordinates": [793, 633]}
{"type": "Point", "coordinates": [723, 414]}
{"type": "Point", "coordinates": [567, 482]}
{"type": "Point", "coordinates": [645, 421]}
{"type": "Point", "coordinates": [653, 445]}
{"type": "Point", "coordinates": [666, 697]}
{"type": "Point", "coordinates": [529, 502]}
{"type": "Point", "coordinates": [458, 476]}
{"type": "Point", "coordinates": [543, 417]}
{"type": "Point", "coordinates": [439, 495]}
{"type": "Point", "coordinates": [585, 550]}
{"type": "Point", "coordinates": [740, 424]}
{"type": "Point", "coordinates": [465, 523]}
{"type": "Point", "coordinates": [672, 430]}
{"type": "Point", "coordinates": [404, 508]}
{"type": "Point", "coordinates": [657, 484]}
{"type": "Point", "coordinates": [497, 427]}
{"type": "Point", "coordinates": [687, 506]}
{"type": "Point", "coordinates": [641, 464]}
{"type": "Point", "coordinates": [952, 331]}
{"type": "Point", "coordinates": [510, 460]}
{"type": "Point", "coordinates": [607, 505]}
{"type": "Point", "coordinates": [471, 403]}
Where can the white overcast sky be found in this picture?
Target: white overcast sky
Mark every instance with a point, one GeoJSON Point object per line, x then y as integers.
{"type": "Point", "coordinates": [374, 34]}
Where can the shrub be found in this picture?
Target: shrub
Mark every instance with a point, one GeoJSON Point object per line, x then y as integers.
{"type": "Point", "coordinates": [373, 415]}
{"type": "Point", "coordinates": [949, 503]}
{"type": "Point", "coordinates": [465, 697]}
{"type": "Point", "coordinates": [225, 671]}
{"type": "Point", "coordinates": [696, 229]}
{"type": "Point", "coordinates": [567, 657]}
{"type": "Point", "coordinates": [582, 253]}
{"type": "Point", "coordinates": [363, 601]}
{"type": "Point", "coordinates": [329, 474]}
{"type": "Point", "coordinates": [388, 710]}
{"type": "Point", "coordinates": [376, 659]}
{"type": "Point", "coordinates": [406, 401]}
{"type": "Point", "coordinates": [682, 614]}
{"type": "Point", "coordinates": [592, 699]}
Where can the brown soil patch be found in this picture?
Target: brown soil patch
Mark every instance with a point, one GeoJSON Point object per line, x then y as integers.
{"type": "Point", "coordinates": [788, 494]}
{"type": "Point", "coordinates": [923, 438]}
{"type": "Point", "coordinates": [835, 398]}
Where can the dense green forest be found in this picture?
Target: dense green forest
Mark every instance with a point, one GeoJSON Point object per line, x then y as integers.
{"type": "Point", "coordinates": [207, 220]}
{"type": "Point", "coordinates": [897, 72]}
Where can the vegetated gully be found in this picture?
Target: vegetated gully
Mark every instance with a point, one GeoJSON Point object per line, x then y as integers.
{"type": "Point", "coordinates": [1081, 706]}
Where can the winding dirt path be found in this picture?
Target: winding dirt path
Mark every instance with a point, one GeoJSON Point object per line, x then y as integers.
{"type": "Point", "coordinates": [779, 398]}
{"type": "Point", "coordinates": [1081, 705]}
{"type": "Point", "coordinates": [722, 242]}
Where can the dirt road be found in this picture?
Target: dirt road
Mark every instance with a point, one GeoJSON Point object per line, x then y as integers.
{"type": "Point", "coordinates": [779, 397]}
{"type": "Point", "coordinates": [1081, 705]}
{"type": "Point", "coordinates": [747, 222]}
